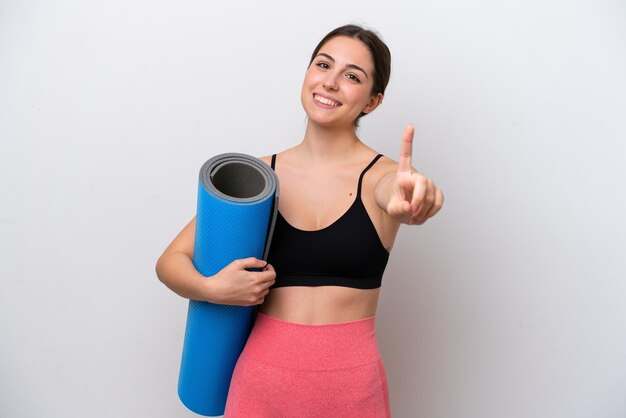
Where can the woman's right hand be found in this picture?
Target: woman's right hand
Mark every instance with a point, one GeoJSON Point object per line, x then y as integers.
{"type": "Point", "coordinates": [232, 285]}
{"type": "Point", "coordinates": [235, 285]}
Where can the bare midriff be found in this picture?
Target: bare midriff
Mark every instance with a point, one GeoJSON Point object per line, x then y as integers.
{"type": "Point", "coordinates": [320, 304]}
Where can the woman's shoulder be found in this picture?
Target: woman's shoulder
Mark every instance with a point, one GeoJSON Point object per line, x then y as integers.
{"type": "Point", "coordinates": [382, 166]}
{"type": "Point", "coordinates": [385, 162]}
{"type": "Point", "coordinates": [267, 159]}
{"type": "Point", "coordinates": [279, 155]}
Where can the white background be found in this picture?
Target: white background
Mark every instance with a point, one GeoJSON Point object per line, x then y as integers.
{"type": "Point", "coordinates": [509, 304]}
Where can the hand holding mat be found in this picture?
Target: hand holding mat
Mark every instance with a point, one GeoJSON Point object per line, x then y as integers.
{"type": "Point", "coordinates": [237, 204]}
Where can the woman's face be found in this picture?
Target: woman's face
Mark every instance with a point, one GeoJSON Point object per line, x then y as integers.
{"type": "Point", "coordinates": [338, 83]}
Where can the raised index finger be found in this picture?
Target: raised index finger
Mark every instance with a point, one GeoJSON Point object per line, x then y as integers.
{"type": "Point", "coordinates": [406, 149]}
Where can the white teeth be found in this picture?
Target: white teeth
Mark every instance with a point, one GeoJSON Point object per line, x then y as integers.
{"type": "Point", "coordinates": [326, 101]}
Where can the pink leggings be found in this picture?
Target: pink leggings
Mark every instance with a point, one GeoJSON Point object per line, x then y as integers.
{"type": "Point", "coordinates": [294, 370]}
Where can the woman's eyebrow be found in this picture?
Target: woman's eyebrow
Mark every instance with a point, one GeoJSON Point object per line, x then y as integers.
{"type": "Point", "coordinates": [356, 67]}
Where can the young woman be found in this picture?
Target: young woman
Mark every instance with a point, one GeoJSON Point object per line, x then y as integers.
{"type": "Point", "coordinates": [313, 350]}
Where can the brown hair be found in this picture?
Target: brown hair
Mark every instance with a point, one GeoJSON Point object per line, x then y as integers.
{"type": "Point", "coordinates": [378, 50]}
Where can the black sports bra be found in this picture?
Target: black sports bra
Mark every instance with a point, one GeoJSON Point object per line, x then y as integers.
{"type": "Point", "coordinates": [346, 253]}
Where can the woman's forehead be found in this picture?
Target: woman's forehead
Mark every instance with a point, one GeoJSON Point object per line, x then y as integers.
{"type": "Point", "coordinates": [348, 51]}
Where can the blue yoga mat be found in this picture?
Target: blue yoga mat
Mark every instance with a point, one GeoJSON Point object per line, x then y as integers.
{"type": "Point", "coordinates": [237, 204]}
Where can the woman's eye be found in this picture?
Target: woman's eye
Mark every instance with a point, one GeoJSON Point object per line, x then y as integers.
{"type": "Point", "coordinates": [323, 65]}
{"type": "Point", "coordinates": [354, 78]}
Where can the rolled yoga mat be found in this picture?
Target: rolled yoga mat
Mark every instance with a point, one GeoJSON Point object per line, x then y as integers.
{"type": "Point", "coordinates": [237, 204]}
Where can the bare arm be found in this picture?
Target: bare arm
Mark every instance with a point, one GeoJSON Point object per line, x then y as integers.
{"type": "Point", "coordinates": [233, 285]}
{"type": "Point", "coordinates": [406, 195]}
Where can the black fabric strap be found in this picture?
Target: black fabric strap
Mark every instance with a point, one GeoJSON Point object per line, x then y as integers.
{"type": "Point", "coordinates": [358, 191]}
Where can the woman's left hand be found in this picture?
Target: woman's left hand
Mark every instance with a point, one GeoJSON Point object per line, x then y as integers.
{"type": "Point", "coordinates": [413, 198]}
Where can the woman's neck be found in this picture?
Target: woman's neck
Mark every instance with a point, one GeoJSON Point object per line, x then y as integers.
{"type": "Point", "coordinates": [329, 143]}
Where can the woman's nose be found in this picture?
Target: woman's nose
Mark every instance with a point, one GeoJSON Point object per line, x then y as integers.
{"type": "Point", "coordinates": [331, 82]}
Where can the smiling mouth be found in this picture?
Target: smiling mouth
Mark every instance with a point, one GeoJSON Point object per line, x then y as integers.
{"type": "Point", "coordinates": [325, 101]}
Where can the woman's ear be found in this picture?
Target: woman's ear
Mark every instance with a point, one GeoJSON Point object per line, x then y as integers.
{"type": "Point", "coordinates": [373, 103]}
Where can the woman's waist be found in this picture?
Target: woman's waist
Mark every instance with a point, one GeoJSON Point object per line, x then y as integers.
{"type": "Point", "coordinates": [320, 305]}
{"type": "Point", "coordinates": [297, 346]}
